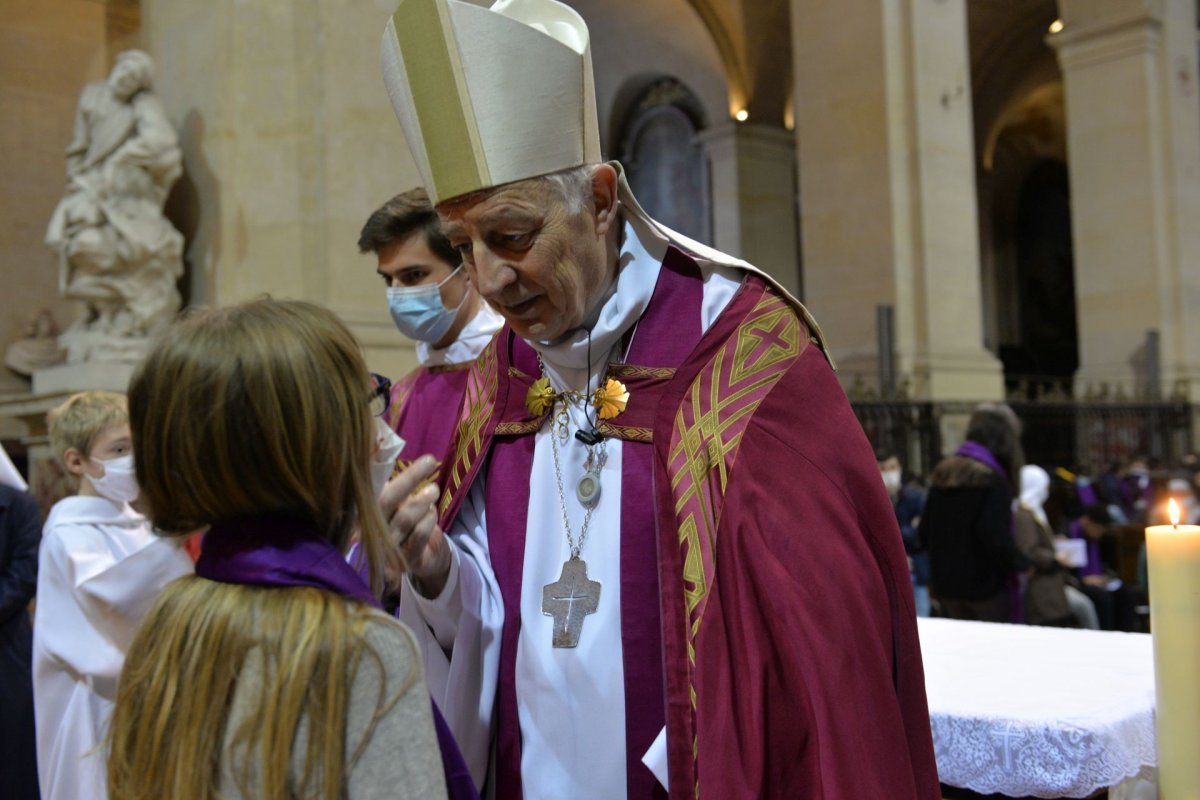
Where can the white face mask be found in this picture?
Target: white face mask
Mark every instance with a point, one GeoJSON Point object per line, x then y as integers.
{"type": "Point", "coordinates": [891, 479]}
{"type": "Point", "coordinates": [118, 483]}
{"type": "Point", "coordinates": [388, 446]}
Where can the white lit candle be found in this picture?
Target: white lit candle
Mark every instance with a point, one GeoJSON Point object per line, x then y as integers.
{"type": "Point", "coordinates": [1173, 562]}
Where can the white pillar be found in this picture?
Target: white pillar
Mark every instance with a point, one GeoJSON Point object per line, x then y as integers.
{"type": "Point", "coordinates": [887, 189]}
{"type": "Point", "coordinates": [752, 175]}
{"type": "Point", "coordinates": [1133, 143]}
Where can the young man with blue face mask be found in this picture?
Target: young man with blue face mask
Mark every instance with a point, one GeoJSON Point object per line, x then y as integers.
{"type": "Point", "coordinates": [432, 302]}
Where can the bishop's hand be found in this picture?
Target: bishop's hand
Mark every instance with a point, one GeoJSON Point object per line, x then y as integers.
{"type": "Point", "coordinates": [411, 514]}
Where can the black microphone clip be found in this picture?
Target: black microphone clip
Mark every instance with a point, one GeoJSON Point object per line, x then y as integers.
{"type": "Point", "coordinates": [590, 438]}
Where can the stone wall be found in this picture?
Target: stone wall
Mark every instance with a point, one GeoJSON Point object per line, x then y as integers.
{"type": "Point", "coordinates": [48, 51]}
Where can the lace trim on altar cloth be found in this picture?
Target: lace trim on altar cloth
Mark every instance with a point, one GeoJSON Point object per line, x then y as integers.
{"type": "Point", "coordinates": [999, 756]}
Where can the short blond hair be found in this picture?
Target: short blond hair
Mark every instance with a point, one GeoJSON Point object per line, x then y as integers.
{"type": "Point", "coordinates": [78, 420]}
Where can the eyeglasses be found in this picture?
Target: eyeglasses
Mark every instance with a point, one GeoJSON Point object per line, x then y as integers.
{"type": "Point", "coordinates": [381, 395]}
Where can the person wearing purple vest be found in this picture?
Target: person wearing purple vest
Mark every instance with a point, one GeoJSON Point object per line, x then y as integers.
{"type": "Point", "coordinates": [432, 302]}
{"type": "Point", "coordinates": [671, 566]}
{"type": "Point", "coordinates": [273, 671]}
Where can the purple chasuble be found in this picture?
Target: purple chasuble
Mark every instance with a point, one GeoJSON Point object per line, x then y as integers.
{"type": "Point", "coordinates": [666, 333]}
{"type": "Point", "coordinates": [756, 653]}
{"type": "Point", "coordinates": [276, 551]}
{"type": "Point", "coordinates": [424, 410]}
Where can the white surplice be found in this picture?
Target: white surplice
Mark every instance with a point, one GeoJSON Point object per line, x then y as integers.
{"type": "Point", "coordinates": [571, 702]}
{"type": "Point", "coordinates": [471, 340]}
{"type": "Point", "coordinates": [99, 570]}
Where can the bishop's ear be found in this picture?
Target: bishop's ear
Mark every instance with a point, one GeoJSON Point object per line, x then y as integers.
{"type": "Point", "coordinates": [604, 196]}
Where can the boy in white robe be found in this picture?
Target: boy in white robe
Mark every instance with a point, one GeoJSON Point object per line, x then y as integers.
{"type": "Point", "coordinates": [99, 570]}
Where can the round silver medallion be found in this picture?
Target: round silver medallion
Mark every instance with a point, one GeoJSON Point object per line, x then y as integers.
{"type": "Point", "coordinates": [588, 488]}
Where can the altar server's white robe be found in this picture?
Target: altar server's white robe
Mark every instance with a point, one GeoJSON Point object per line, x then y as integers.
{"type": "Point", "coordinates": [99, 570]}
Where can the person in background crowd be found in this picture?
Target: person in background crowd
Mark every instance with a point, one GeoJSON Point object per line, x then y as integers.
{"type": "Point", "coordinates": [908, 499]}
{"type": "Point", "coordinates": [20, 532]}
{"type": "Point", "coordinates": [1189, 473]}
{"type": "Point", "coordinates": [1189, 507]}
{"type": "Point", "coordinates": [1115, 603]}
{"type": "Point", "coordinates": [1189, 466]}
{"type": "Point", "coordinates": [99, 570]}
{"type": "Point", "coordinates": [1135, 489]}
{"type": "Point", "coordinates": [967, 525]}
{"type": "Point", "coordinates": [1049, 598]}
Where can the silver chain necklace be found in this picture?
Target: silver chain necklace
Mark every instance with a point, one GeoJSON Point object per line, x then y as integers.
{"type": "Point", "coordinates": [588, 490]}
{"type": "Point", "coordinates": [573, 596]}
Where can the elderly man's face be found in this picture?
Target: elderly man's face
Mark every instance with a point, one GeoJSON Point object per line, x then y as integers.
{"type": "Point", "coordinates": [542, 267]}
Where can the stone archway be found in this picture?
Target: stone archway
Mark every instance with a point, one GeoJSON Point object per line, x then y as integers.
{"type": "Point", "coordinates": [1045, 350]}
{"type": "Point", "coordinates": [1025, 239]}
{"type": "Point", "coordinates": [664, 158]}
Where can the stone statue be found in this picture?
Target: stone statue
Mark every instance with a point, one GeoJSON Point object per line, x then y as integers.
{"type": "Point", "coordinates": [118, 254]}
{"type": "Point", "coordinates": [38, 346]}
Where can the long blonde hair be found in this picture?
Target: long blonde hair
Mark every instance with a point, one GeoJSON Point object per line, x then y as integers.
{"type": "Point", "coordinates": [256, 409]}
{"type": "Point", "coordinates": [168, 734]}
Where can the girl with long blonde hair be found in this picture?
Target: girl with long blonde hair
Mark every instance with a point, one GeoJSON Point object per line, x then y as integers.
{"type": "Point", "coordinates": [271, 673]}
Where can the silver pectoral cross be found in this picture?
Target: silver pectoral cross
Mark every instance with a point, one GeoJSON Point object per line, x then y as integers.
{"type": "Point", "coordinates": [569, 600]}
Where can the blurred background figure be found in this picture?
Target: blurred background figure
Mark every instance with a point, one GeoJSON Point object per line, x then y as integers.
{"type": "Point", "coordinates": [908, 499]}
{"type": "Point", "coordinates": [967, 525]}
{"type": "Point", "coordinates": [1189, 507]}
{"type": "Point", "coordinates": [20, 532]}
{"type": "Point", "coordinates": [1115, 602]}
{"type": "Point", "coordinates": [1050, 599]}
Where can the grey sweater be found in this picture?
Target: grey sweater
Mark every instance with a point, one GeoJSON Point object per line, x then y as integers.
{"type": "Point", "coordinates": [400, 758]}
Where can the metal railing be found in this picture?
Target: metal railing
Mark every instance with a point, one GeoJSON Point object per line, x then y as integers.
{"type": "Point", "coordinates": [1077, 434]}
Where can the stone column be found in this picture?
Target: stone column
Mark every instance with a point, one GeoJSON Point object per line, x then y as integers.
{"type": "Point", "coordinates": [752, 175]}
{"type": "Point", "coordinates": [1133, 143]}
{"type": "Point", "coordinates": [887, 189]}
{"type": "Point", "coordinates": [289, 143]}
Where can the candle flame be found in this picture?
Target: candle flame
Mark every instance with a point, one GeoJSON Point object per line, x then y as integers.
{"type": "Point", "coordinates": [1173, 511]}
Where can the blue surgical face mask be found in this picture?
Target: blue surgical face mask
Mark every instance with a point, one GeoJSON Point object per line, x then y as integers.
{"type": "Point", "coordinates": [418, 311]}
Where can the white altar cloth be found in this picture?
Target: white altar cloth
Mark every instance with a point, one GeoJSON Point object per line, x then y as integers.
{"type": "Point", "coordinates": [1042, 712]}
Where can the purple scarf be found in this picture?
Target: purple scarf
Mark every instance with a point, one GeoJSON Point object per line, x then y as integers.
{"type": "Point", "coordinates": [275, 551]}
{"type": "Point", "coordinates": [984, 456]}
{"type": "Point", "coordinates": [1016, 581]}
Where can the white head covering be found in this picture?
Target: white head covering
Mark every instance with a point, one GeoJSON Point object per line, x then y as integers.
{"type": "Point", "coordinates": [8, 472]}
{"type": "Point", "coordinates": [1182, 489]}
{"type": "Point", "coordinates": [488, 96]}
{"type": "Point", "coordinates": [1035, 489]}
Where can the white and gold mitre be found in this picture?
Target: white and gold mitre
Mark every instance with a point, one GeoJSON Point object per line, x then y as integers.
{"type": "Point", "coordinates": [487, 96]}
